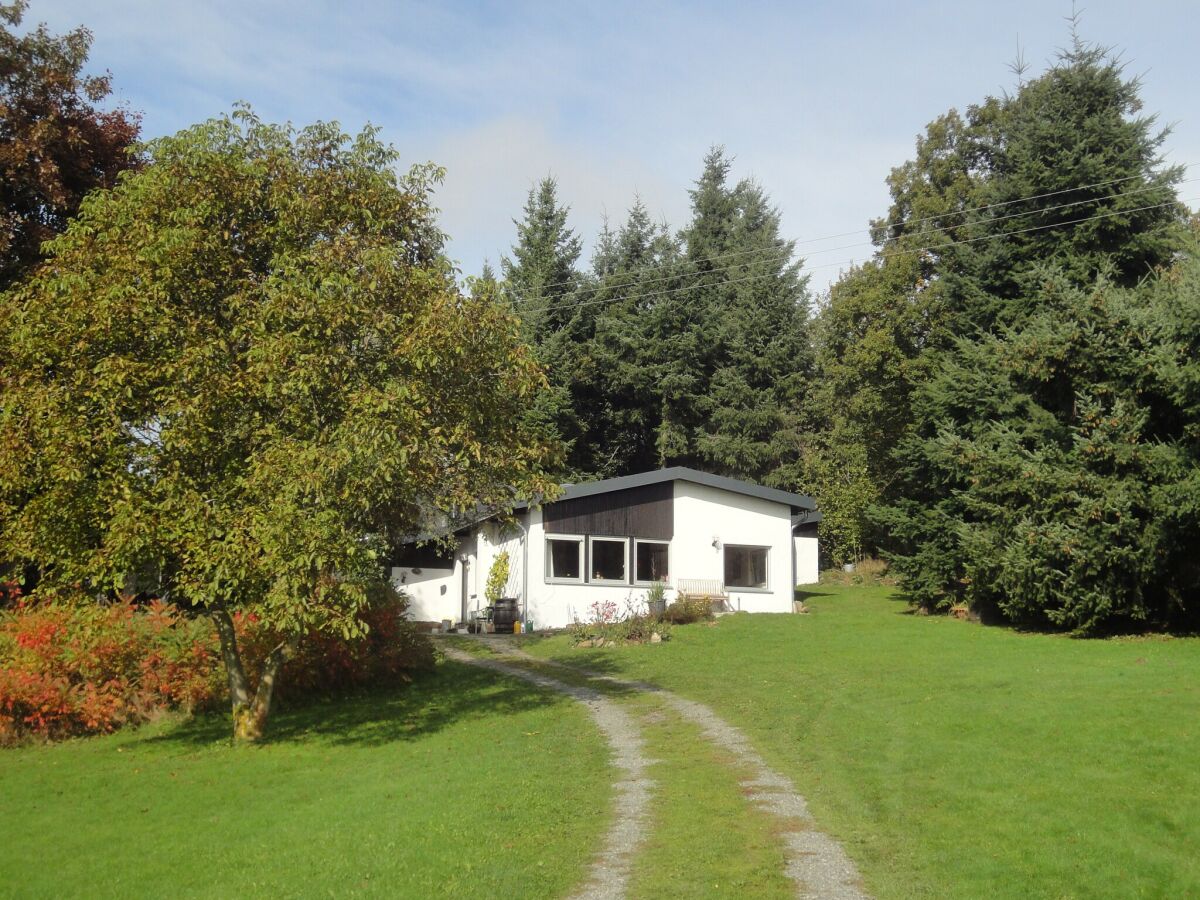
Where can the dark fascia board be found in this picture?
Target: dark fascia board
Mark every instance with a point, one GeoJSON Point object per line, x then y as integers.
{"type": "Point", "coordinates": [808, 517]}
{"type": "Point", "coordinates": [797, 502]}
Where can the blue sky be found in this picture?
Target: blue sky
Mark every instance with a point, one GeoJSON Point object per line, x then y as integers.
{"type": "Point", "coordinates": [815, 101]}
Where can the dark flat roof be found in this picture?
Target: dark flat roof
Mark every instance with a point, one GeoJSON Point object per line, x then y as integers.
{"type": "Point", "coordinates": [797, 502]}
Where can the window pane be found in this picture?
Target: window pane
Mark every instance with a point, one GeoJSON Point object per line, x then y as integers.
{"type": "Point", "coordinates": [563, 559]}
{"type": "Point", "coordinates": [651, 562]}
{"type": "Point", "coordinates": [746, 567]}
{"type": "Point", "coordinates": [608, 560]}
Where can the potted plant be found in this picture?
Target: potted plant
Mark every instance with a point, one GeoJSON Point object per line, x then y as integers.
{"type": "Point", "coordinates": [656, 601]}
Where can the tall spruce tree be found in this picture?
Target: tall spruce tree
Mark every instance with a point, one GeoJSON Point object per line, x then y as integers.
{"type": "Point", "coordinates": [734, 343]}
{"type": "Point", "coordinates": [1003, 500]}
{"type": "Point", "coordinates": [540, 280]}
{"type": "Point", "coordinates": [542, 272]}
{"type": "Point", "coordinates": [633, 270]}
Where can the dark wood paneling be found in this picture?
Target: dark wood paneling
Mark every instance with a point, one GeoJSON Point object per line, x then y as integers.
{"type": "Point", "coordinates": [423, 556]}
{"type": "Point", "coordinates": [644, 512]}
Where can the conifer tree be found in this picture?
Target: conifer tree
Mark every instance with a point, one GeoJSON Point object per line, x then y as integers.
{"type": "Point", "coordinates": [1001, 479]}
{"type": "Point", "coordinates": [734, 343]}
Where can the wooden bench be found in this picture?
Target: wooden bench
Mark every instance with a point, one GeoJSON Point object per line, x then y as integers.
{"type": "Point", "coordinates": [710, 588]}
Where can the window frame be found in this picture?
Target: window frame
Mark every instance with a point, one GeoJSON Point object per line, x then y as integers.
{"type": "Point", "coordinates": [615, 539]}
{"type": "Point", "coordinates": [766, 588]}
{"type": "Point", "coordinates": [578, 540]}
{"type": "Point", "coordinates": [634, 572]}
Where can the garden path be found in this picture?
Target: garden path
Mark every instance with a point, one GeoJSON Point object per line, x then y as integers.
{"type": "Point", "coordinates": [817, 864]}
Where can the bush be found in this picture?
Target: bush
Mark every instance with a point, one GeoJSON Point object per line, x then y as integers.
{"type": "Point", "coordinates": [87, 667]}
{"type": "Point", "coordinates": [81, 668]}
{"type": "Point", "coordinates": [689, 608]}
{"type": "Point", "coordinates": [607, 623]}
{"type": "Point", "coordinates": [392, 649]}
{"type": "Point", "coordinates": [866, 571]}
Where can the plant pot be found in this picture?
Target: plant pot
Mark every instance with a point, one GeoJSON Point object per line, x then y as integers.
{"type": "Point", "coordinates": [658, 608]}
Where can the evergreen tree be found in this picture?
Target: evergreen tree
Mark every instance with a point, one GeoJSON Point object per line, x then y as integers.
{"type": "Point", "coordinates": [542, 273]}
{"type": "Point", "coordinates": [1000, 479]}
{"type": "Point", "coordinates": [734, 344]}
{"type": "Point", "coordinates": [540, 281]}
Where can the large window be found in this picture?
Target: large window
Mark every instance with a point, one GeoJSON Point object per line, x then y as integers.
{"type": "Point", "coordinates": [564, 559]}
{"type": "Point", "coordinates": [746, 567]}
{"type": "Point", "coordinates": [650, 561]}
{"type": "Point", "coordinates": [609, 560]}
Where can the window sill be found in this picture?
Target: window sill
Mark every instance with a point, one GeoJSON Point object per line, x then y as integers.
{"type": "Point", "coordinates": [748, 590]}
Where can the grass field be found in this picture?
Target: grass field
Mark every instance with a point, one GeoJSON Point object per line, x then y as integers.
{"type": "Point", "coordinates": [951, 759]}
{"type": "Point", "coordinates": [954, 759]}
{"type": "Point", "coordinates": [461, 785]}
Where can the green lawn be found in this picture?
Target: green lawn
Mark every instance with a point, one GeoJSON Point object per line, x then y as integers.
{"type": "Point", "coordinates": [462, 785]}
{"type": "Point", "coordinates": [954, 759]}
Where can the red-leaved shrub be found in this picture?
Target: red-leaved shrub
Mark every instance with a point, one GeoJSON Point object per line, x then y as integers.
{"type": "Point", "coordinates": [87, 667]}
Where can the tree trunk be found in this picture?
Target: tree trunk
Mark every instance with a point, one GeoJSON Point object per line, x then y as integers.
{"type": "Point", "coordinates": [253, 725]}
{"type": "Point", "coordinates": [249, 716]}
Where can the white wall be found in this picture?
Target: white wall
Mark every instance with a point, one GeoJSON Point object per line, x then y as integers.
{"type": "Point", "coordinates": [433, 593]}
{"type": "Point", "coordinates": [704, 515]}
{"type": "Point", "coordinates": [807, 563]}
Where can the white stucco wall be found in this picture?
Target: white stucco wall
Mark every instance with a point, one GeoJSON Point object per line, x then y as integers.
{"type": "Point", "coordinates": [807, 563]}
{"type": "Point", "coordinates": [705, 516]}
{"type": "Point", "coordinates": [433, 593]}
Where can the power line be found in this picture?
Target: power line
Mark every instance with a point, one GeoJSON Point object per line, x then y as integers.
{"type": "Point", "coordinates": [772, 253]}
{"type": "Point", "coordinates": [962, 212]}
{"type": "Point", "coordinates": [884, 255]}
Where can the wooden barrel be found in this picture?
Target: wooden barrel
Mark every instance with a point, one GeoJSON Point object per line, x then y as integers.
{"type": "Point", "coordinates": [504, 615]}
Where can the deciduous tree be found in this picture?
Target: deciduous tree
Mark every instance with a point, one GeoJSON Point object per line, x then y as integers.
{"type": "Point", "coordinates": [246, 369]}
{"type": "Point", "coordinates": [56, 143]}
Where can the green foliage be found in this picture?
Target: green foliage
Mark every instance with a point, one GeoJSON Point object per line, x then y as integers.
{"type": "Point", "coordinates": [688, 349]}
{"type": "Point", "coordinates": [497, 579]}
{"type": "Point", "coordinates": [689, 608]}
{"type": "Point", "coordinates": [656, 593]}
{"type": "Point", "coordinates": [609, 624]}
{"type": "Point", "coordinates": [1013, 443]}
{"type": "Point", "coordinates": [246, 370]}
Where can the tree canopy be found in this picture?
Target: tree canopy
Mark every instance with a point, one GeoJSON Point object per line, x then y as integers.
{"type": "Point", "coordinates": [246, 369]}
{"type": "Point", "coordinates": [996, 356]}
{"type": "Point", "coordinates": [56, 144]}
{"type": "Point", "coordinates": [674, 349]}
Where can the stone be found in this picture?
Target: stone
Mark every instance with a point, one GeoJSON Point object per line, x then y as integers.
{"type": "Point", "coordinates": [655, 637]}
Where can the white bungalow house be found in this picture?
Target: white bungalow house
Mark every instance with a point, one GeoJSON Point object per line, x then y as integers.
{"type": "Point", "coordinates": [610, 540]}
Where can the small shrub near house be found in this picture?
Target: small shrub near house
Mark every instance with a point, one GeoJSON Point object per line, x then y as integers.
{"type": "Point", "coordinates": [610, 624]}
{"type": "Point", "coordinates": [85, 667]}
{"type": "Point", "coordinates": [689, 608]}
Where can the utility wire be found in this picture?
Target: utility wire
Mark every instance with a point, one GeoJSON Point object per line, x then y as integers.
{"type": "Point", "coordinates": [783, 253]}
{"type": "Point", "coordinates": [884, 255]}
{"type": "Point", "coordinates": [961, 212]}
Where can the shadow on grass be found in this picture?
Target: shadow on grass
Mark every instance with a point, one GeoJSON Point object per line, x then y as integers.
{"type": "Point", "coordinates": [807, 593]}
{"type": "Point", "coordinates": [453, 693]}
